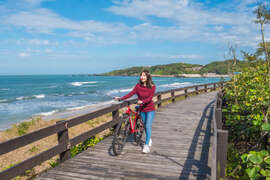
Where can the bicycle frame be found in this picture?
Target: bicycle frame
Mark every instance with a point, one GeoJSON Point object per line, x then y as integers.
{"type": "Point", "coordinates": [132, 121]}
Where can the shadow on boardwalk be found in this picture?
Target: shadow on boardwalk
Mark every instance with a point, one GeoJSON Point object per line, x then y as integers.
{"type": "Point", "coordinates": [190, 160]}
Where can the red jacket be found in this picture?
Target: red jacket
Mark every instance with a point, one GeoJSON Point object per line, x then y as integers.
{"type": "Point", "coordinates": [145, 95]}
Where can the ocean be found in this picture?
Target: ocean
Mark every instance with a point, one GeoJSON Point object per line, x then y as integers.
{"type": "Point", "coordinates": [23, 97]}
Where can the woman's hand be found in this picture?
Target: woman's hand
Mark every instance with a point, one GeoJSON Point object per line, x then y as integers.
{"type": "Point", "coordinates": [117, 98]}
{"type": "Point", "coordinates": [139, 102]}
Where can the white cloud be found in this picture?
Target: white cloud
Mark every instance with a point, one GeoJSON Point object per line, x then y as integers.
{"type": "Point", "coordinates": [39, 42]}
{"type": "Point", "coordinates": [189, 21]}
{"type": "Point", "coordinates": [45, 21]}
{"type": "Point", "coordinates": [24, 54]}
{"type": "Point", "coordinates": [192, 21]}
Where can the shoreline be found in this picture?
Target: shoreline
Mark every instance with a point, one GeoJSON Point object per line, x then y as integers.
{"type": "Point", "coordinates": [63, 115]}
{"type": "Point", "coordinates": [210, 75]}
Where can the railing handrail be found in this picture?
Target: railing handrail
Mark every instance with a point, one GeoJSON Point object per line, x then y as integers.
{"type": "Point", "coordinates": [61, 128]}
{"type": "Point", "coordinates": [220, 142]}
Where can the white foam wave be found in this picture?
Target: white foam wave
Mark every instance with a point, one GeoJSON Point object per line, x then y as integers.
{"type": "Point", "coordinates": [175, 85]}
{"type": "Point", "coordinates": [82, 83]}
{"type": "Point", "coordinates": [4, 89]}
{"type": "Point", "coordinates": [47, 113]}
{"type": "Point", "coordinates": [115, 91]}
{"type": "Point", "coordinates": [21, 98]}
{"type": "Point", "coordinates": [3, 100]}
{"type": "Point", "coordinates": [39, 96]}
{"type": "Point", "coordinates": [77, 108]}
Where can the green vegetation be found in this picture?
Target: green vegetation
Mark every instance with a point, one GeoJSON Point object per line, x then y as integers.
{"type": "Point", "coordinates": [22, 128]}
{"type": "Point", "coordinates": [91, 142]}
{"type": "Point", "coordinates": [247, 114]}
{"type": "Point", "coordinates": [218, 67]}
{"type": "Point", "coordinates": [33, 149]}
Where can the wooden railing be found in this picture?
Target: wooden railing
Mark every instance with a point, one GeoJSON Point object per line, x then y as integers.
{"type": "Point", "coordinates": [61, 128]}
{"type": "Point", "coordinates": [220, 143]}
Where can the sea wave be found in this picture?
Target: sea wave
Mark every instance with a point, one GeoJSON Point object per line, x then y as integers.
{"type": "Point", "coordinates": [77, 108]}
{"type": "Point", "coordinates": [3, 100]}
{"type": "Point", "coordinates": [82, 83]}
{"type": "Point", "coordinates": [39, 96]}
{"type": "Point", "coordinates": [115, 91]}
{"type": "Point", "coordinates": [176, 85]}
{"type": "Point", "coordinates": [47, 113]}
{"type": "Point", "coordinates": [4, 89]}
{"type": "Point", "coordinates": [53, 86]}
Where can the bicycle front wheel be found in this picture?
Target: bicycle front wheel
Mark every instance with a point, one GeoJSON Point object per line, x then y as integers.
{"type": "Point", "coordinates": [121, 134]}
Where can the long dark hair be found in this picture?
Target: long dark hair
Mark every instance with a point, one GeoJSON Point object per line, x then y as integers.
{"type": "Point", "coordinates": [149, 82]}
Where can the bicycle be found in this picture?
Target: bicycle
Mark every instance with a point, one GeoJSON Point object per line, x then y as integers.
{"type": "Point", "coordinates": [130, 123]}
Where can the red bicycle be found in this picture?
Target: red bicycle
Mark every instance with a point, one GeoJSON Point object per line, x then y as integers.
{"type": "Point", "coordinates": [130, 123]}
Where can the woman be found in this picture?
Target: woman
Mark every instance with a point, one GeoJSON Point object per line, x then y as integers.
{"type": "Point", "coordinates": [145, 91]}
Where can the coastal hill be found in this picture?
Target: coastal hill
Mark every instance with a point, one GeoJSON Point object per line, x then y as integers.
{"type": "Point", "coordinates": [213, 69]}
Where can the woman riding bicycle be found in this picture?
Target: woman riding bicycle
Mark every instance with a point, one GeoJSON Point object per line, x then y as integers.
{"type": "Point", "coordinates": [145, 91]}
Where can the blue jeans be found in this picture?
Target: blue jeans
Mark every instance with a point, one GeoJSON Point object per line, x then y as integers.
{"type": "Point", "coordinates": [147, 118]}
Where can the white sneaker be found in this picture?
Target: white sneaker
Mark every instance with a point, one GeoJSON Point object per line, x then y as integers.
{"type": "Point", "coordinates": [150, 143]}
{"type": "Point", "coordinates": [146, 149]}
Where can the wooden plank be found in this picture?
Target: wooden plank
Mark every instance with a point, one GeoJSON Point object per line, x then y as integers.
{"type": "Point", "coordinates": [21, 141]}
{"type": "Point", "coordinates": [31, 162]}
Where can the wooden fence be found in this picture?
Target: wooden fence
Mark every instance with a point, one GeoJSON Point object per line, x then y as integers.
{"type": "Point", "coordinates": [61, 128]}
{"type": "Point", "coordinates": [220, 143]}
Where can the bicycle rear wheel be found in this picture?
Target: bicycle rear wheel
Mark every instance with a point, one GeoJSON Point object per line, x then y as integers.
{"type": "Point", "coordinates": [139, 131]}
{"type": "Point", "coordinates": [121, 134]}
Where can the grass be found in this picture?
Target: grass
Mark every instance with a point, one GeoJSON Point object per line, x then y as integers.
{"type": "Point", "coordinates": [33, 149]}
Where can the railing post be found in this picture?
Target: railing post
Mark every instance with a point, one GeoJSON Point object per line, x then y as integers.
{"type": "Point", "coordinates": [173, 96]}
{"type": "Point", "coordinates": [222, 145]}
{"type": "Point", "coordinates": [205, 88]}
{"type": "Point", "coordinates": [115, 117]}
{"type": "Point", "coordinates": [186, 93]}
{"type": "Point", "coordinates": [215, 86]}
{"type": "Point", "coordinates": [159, 100]}
{"type": "Point", "coordinates": [214, 156]}
{"type": "Point", "coordinates": [196, 89]}
{"type": "Point", "coordinates": [62, 137]}
{"type": "Point", "coordinates": [218, 116]}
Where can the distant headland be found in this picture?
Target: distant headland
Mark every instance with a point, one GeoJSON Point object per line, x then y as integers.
{"type": "Point", "coordinates": [216, 69]}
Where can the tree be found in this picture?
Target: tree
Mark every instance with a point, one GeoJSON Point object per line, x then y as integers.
{"type": "Point", "coordinates": [263, 17]}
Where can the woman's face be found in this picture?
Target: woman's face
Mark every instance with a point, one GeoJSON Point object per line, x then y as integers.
{"type": "Point", "coordinates": [143, 77]}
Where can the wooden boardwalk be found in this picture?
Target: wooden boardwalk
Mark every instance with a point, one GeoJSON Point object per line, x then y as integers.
{"type": "Point", "coordinates": [181, 148]}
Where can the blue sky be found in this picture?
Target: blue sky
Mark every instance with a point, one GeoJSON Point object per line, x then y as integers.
{"type": "Point", "coordinates": [96, 36]}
